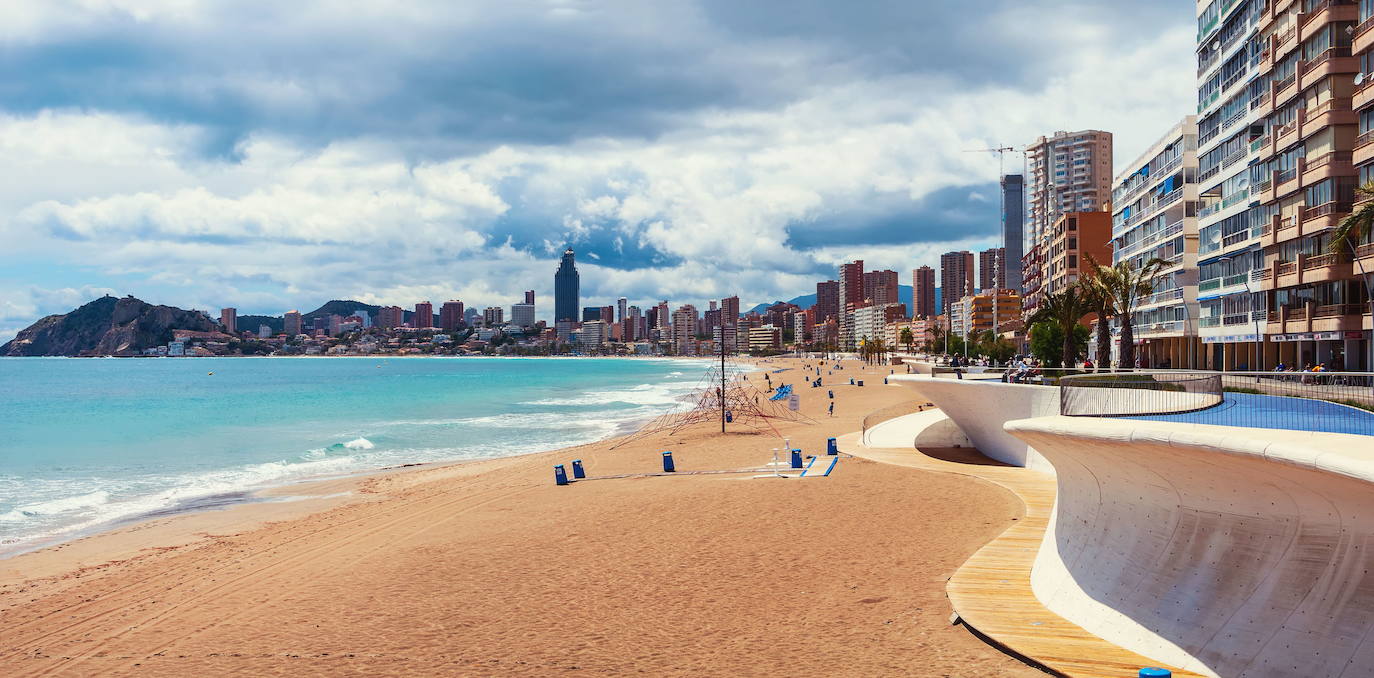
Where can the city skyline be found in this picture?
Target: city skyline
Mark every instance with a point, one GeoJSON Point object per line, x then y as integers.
{"type": "Point", "coordinates": [267, 191]}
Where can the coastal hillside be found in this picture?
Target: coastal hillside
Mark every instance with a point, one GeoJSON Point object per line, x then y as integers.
{"type": "Point", "coordinates": [106, 326]}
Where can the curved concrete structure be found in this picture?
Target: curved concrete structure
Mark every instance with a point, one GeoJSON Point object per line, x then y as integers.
{"type": "Point", "coordinates": [981, 407]}
{"type": "Point", "coordinates": [1225, 551]}
{"type": "Point", "coordinates": [931, 428]}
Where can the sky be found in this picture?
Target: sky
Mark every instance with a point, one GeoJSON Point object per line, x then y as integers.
{"type": "Point", "coordinates": [271, 155]}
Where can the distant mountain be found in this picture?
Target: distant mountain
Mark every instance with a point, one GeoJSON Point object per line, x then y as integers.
{"type": "Point", "coordinates": [106, 326]}
{"type": "Point", "coordinates": [806, 301]}
{"type": "Point", "coordinates": [250, 323]}
{"type": "Point", "coordinates": [347, 307]}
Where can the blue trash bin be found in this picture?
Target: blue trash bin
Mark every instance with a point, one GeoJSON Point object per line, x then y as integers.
{"type": "Point", "coordinates": [560, 477]}
{"type": "Point", "coordinates": [796, 458]}
{"type": "Point", "coordinates": [668, 466]}
{"type": "Point", "coordinates": [1152, 672]}
{"type": "Point", "coordinates": [830, 447]}
{"type": "Point", "coordinates": [577, 469]}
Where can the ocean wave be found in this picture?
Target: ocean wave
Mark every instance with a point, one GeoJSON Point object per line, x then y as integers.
{"type": "Point", "coordinates": [56, 506]}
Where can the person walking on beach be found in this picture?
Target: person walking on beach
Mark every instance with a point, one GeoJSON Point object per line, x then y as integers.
{"type": "Point", "coordinates": [832, 408]}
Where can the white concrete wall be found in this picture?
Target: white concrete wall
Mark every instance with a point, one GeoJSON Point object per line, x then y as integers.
{"type": "Point", "coordinates": [981, 407]}
{"type": "Point", "coordinates": [931, 428]}
{"type": "Point", "coordinates": [1226, 551]}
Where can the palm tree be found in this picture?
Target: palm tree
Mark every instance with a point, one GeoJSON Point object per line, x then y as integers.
{"type": "Point", "coordinates": [1355, 229]}
{"type": "Point", "coordinates": [1099, 298]}
{"type": "Point", "coordinates": [906, 337]}
{"type": "Point", "coordinates": [1127, 285]}
{"type": "Point", "coordinates": [1064, 309]}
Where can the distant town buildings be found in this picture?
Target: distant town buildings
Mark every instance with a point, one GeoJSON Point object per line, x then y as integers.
{"type": "Point", "coordinates": [424, 315]}
{"type": "Point", "coordinates": [450, 316]}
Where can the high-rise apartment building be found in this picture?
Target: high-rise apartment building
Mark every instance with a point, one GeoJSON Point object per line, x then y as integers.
{"type": "Point", "coordinates": [229, 318]}
{"type": "Point", "coordinates": [390, 316]}
{"type": "Point", "coordinates": [522, 315]}
{"type": "Point", "coordinates": [684, 329]}
{"type": "Point", "coordinates": [1316, 110]}
{"type": "Point", "coordinates": [923, 293]}
{"type": "Point", "coordinates": [851, 299]}
{"type": "Point", "coordinates": [590, 313]}
{"type": "Point", "coordinates": [956, 278]}
{"type": "Point", "coordinates": [291, 323]}
{"type": "Point", "coordinates": [827, 300]}
{"type": "Point", "coordinates": [729, 310]}
{"type": "Point", "coordinates": [493, 316]}
{"type": "Point", "coordinates": [566, 288]}
{"type": "Point", "coordinates": [1013, 228]}
{"type": "Point", "coordinates": [1067, 172]}
{"type": "Point", "coordinates": [992, 269]}
{"type": "Point", "coordinates": [424, 315]}
{"type": "Point", "coordinates": [529, 297]}
{"type": "Point", "coordinates": [608, 315]}
{"type": "Point", "coordinates": [880, 287]}
{"type": "Point", "coordinates": [621, 305]}
{"type": "Point", "coordinates": [1155, 203]}
{"type": "Point", "coordinates": [451, 315]}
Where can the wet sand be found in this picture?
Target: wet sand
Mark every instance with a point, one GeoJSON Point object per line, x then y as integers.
{"type": "Point", "coordinates": [488, 568]}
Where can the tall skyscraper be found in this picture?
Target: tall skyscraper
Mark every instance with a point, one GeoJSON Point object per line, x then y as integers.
{"type": "Point", "coordinates": [1013, 227]}
{"type": "Point", "coordinates": [451, 315]}
{"type": "Point", "coordinates": [684, 328]}
{"type": "Point", "coordinates": [529, 297]}
{"type": "Point", "coordinates": [923, 292]}
{"type": "Point", "coordinates": [992, 271]}
{"type": "Point", "coordinates": [566, 288]}
{"type": "Point", "coordinates": [729, 310]}
{"type": "Point", "coordinates": [424, 315]}
{"type": "Point", "coordinates": [291, 324]}
{"type": "Point", "coordinates": [229, 318]}
{"type": "Point", "coordinates": [608, 314]}
{"type": "Point", "coordinates": [621, 305]}
{"type": "Point", "coordinates": [956, 278]}
{"type": "Point", "coordinates": [827, 300]}
{"type": "Point", "coordinates": [880, 287]}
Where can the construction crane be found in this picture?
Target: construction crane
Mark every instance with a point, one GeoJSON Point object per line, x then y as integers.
{"type": "Point", "coordinates": [1001, 152]}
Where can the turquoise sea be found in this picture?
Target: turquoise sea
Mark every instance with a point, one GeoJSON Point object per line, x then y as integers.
{"type": "Point", "coordinates": [90, 443]}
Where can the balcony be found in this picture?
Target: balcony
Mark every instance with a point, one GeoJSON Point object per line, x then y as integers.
{"type": "Point", "coordinates": [1364, 148]}
{"type": "Point", "coordinates": [1286, 268]}
{"type": "Point", "coordinates": [1333, 60]}
{"type": "Point", "coordinates": [1286, 135]}
{"type": "Point", "coordinates": [1325, 114]}
{"type": "Point", "coordinates": [1364, 36]}
{"type": "Point", "coordinates": [1323, 216]}
{"type": "Point", "coordinates": [1286, 88]}
{"type": "Point", "coordinates": [1287, 181]}
{"type": "Point", "coordinates": [1324, 13]}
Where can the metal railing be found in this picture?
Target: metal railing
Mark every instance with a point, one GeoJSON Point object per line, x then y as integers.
{"type": "Point", "coordinates": [1127, 394]}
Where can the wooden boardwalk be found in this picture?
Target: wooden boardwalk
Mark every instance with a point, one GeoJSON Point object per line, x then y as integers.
{"type": "Point", "coordinates": [991, 591]}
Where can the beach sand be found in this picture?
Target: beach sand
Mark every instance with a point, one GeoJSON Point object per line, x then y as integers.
{"type": "Point", "coordinates": [489, 569]}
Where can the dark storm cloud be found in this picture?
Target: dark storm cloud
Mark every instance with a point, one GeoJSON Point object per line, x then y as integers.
{"type": "Point", "coordinates": [943, 215]}
{"type": "Point", "coordinates": [522, 74]}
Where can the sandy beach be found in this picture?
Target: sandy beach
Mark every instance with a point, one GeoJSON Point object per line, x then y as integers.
{"type": "Point", "coordinates": [489, 569]}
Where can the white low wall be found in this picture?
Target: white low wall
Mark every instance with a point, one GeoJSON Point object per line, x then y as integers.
{"type": "Point", "coordinates": [980, 408]}
{"type": "Point", "coordinates": [931, 429]}
{"type": "Point", "coordinates": [1231, 552]}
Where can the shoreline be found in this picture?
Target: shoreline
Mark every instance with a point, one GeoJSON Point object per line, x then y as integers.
{"type": "Point", "coordinates": [486, 567]}
{"type": "Point", "coordinates": [276, 492]}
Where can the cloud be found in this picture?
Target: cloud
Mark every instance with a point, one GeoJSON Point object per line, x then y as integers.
{"type": "Point", "coordinates": [270, 156]}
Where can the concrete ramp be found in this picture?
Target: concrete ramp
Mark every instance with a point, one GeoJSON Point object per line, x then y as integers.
{"type": "Point", "coordinates": [931, 428]}
{"type": "Point", "coordinates": [980, 407]}
{"type": "Point", "coordinates": [1225, 551]}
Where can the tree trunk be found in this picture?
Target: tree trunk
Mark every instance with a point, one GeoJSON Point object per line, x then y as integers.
{"type": "Point", "coordinates": [1104, 343]}
{"type": "Point", "coordinates": [1069, 353]}
{"type": "Point", "coordinates": [1127, 343]}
